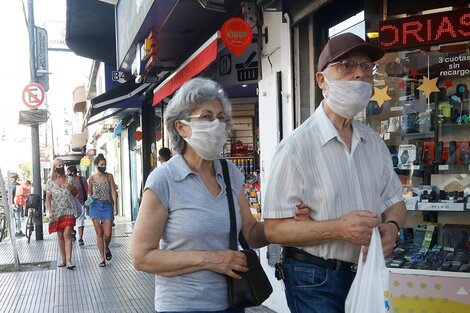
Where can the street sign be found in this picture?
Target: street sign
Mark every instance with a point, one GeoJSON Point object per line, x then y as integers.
{"type": "Point", "coordinates": [42, 58]}
{"type": "Point", "coordinates": [33, 95]}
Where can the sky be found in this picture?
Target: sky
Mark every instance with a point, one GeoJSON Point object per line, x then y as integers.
{"type": "Point", "coordinates": [67, 71]}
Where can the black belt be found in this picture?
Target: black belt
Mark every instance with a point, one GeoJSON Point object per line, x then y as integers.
{"type": "Point", "coordinates": [300, 255]}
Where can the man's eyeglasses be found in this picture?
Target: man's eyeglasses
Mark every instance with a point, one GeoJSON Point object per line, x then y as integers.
{"type": "Point", "coordinates": [208, 117]}
{"type": "Point", "coordinates": [349, 66]}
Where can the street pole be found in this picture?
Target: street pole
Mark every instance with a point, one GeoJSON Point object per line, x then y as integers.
{"type": "Point", "coordinates": [34, 128]}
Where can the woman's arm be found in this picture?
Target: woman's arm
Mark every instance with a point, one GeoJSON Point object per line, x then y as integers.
{"type": "Point", "coordinates": [90, 187]}
{"type": "Point", "coordinates": [147, 256]}
{"type": "Point", "coordinates": [252, 230]}
{"type": "Point", "coordinates": [113, 194]}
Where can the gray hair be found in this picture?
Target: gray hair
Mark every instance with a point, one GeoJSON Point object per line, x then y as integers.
{"type": "Point", "coordinates": [190, 96]}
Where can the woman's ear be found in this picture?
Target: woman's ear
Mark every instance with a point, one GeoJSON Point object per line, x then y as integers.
{"type": "Point", "coordinates": [180, 128]}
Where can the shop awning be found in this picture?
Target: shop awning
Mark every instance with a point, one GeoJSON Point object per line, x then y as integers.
{"type": "Point", "coordinates": [115, 102]}
{"type": "Point", "coordinates": [196, 63]}
{"type": "Point", "coordinates": [90, 29]}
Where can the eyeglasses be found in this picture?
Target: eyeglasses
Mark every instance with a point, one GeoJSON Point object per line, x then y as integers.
{"type": "Point", "coordinates": [349, 66]}
{"type": "Point", "coordinates": [208, 117]}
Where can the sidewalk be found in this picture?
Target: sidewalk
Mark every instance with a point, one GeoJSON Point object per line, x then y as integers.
{"type": "Point", "coordinates": [88, 288]}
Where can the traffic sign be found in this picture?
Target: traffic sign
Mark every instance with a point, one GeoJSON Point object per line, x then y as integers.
{"type": "Point", "coordinates": [33, 95]}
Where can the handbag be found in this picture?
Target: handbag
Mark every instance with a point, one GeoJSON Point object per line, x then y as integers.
{"type": "Point", "coordinates": [369, 291]}
{"type": "Point", "coordinates": [254, 286]}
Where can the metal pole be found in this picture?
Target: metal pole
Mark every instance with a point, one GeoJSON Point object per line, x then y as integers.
{"type": "Point", "coordinates": [35, 128]}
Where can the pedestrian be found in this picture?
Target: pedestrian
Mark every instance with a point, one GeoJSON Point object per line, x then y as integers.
{"type": "Point", "coordinates": [59, 190]}
{"type": "Point", "coordinates": [164, 154]}
{"type": "Point", "coordinates": [81, 185]}
{"type": "Point", "coordinates": [102, 189]}
{"type": "Point", "coordinates": [16, 210]}
{"type": "Point", "coordinates": [182, 230]}
{"type": "Point", "coordinates": [22, 193]}
{"type": "Point", "coordinates": [342, 170]}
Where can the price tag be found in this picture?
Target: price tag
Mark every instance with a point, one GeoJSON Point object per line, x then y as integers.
{"type": "Point", "coordinates": [444, 167]}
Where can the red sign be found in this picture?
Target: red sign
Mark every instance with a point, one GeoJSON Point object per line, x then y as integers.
{"type": "Point", "coordinates": [138, 135]}
{"type": "Point", "coordinates": [432, 29]}
{"type": "Point", "coordinates": [91, 152]}
{"type": "Point", "coordinates": [33, 95]}
{"type": "Point", "coordinates": [236, 34]}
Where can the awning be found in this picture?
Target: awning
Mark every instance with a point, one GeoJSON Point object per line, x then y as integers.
{"type": "Point", "coordinates": [196, 63]}
{"type": "Point", "coordinates": [90, 29]}
{"type": "Point", "coordinates": [114, 102]}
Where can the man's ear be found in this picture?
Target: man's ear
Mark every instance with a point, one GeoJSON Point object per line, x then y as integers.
{"type": "Point", "coordinates": [320, 80]}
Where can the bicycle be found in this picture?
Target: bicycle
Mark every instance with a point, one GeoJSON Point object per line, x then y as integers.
{"type": "Point", "coordinates": [3, 225]}
{"type": "Point", "coordinates": [32, 204]}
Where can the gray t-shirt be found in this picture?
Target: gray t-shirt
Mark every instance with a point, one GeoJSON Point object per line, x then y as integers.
{"type": "Point", "coordinates": [197, 221]}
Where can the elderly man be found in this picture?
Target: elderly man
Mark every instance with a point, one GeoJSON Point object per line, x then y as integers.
{"type": "Point", "coordinates": [343, 171]}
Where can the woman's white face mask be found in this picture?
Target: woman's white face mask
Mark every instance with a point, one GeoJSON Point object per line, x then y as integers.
{"type": "Point", "coordinates": [347, 97]}
{"type": "Point", "coordinates": [207, 138]}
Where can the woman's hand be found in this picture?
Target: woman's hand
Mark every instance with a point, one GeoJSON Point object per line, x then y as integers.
{"type": "Point", "coordinates": [302, 213]}
{"type": "Point", "coordinates": [72, 189]}
{"type": "Point", "coordinates": [226, 262]}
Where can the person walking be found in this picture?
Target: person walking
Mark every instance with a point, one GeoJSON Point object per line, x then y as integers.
{"type": "Point", "coordinates": [81, 185]}
{"type": "Point", "coordinates": [164, 154]}
{"type": "Point", "coordinates": [102, 190]}
{"type": "Point", "coordinates": [342, 170]}
{"type": "Point", "coordinates": [16, 210]}
{"type": "Point", "coordinates": [182, 230]}
{"type": "Point", "coordinates": [22, 193]}
{"type": "Point", "coordinates": [59, 190]}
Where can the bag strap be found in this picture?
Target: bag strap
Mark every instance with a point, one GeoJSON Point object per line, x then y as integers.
{"type": "Point", "coordinates": [85, 192]}
{"type": "Point", "coordinates": [231, 206]}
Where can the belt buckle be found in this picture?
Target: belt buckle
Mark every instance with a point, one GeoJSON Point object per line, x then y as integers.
{"type": "Point", "coordinates": [354, 268]}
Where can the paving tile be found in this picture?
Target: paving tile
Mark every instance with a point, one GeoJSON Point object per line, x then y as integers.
{"type": "Point", "coordinates": [89, 288]}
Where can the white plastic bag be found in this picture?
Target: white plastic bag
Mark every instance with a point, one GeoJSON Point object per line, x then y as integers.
{"type": "Point", "coordinates": [369, 291]}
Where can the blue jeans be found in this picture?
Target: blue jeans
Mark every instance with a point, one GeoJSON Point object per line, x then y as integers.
{"type": "Point", "coordinates": [315, 289]}
{"type": "Point", "coordinates": [223, 311]}
{"type": "Point", "coordinates": [17, 214]}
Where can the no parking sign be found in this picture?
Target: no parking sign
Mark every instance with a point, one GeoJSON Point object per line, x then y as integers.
{"type": "Point", "coordinates": [33, 95]}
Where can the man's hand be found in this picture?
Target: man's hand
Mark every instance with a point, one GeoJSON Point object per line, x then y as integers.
{"type": "Point", "coordinates": [357, 226]}
{"type": "Point", "coordinates": [302, 213]}
{"type": "Point", "coordinates": [389, 235]}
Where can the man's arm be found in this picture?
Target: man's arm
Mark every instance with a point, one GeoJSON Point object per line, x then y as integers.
{"type": "Point", "coordinates": [355, 227]}
{"type": "Point", "coordinates": [389, 230]}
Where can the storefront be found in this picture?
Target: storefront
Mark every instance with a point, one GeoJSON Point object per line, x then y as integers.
{"type": "Point", "coordinates": [420, 107]}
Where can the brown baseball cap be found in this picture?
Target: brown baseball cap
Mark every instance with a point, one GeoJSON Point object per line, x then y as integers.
{"type": "Point", "coordinates": [340, 45]}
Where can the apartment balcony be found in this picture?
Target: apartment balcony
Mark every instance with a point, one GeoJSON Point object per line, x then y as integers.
{"type": "Point", "coordinates": [79, 99]}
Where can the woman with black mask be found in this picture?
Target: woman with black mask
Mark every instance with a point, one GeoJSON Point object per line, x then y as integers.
{"type": "Point", "coordinates": [102, 189]}
{"type": "Point", "coordinates": [59, 189]}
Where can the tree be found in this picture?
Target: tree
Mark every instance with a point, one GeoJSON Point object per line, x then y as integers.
{"type": "Point", "coordinates": [26, 171]}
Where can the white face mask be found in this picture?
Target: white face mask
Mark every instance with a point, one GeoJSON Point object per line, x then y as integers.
{"type": "Point", "coordinates": [347, 97]}
{"type": "Point", "coordinates": [207, 138]}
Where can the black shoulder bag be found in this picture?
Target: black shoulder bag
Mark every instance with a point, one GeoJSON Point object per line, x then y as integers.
{"type": "Point", "coordinates": [254, 287]}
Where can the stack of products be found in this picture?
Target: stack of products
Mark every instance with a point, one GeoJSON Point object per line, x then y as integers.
{"type": "Point", "coordinates": [418, 248]}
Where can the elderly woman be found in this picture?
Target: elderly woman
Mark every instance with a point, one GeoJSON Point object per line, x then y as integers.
{"type": "Point", "coordinates": [59, 190]}
{"type": "Point", "coordinates": [182, 230]}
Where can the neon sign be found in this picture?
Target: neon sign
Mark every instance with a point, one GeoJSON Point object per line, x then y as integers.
{"type": "Point", "coordinates": [424, 30]}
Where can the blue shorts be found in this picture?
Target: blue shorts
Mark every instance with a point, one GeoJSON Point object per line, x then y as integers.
{"type": "Point", "coordinates": [101, 210]}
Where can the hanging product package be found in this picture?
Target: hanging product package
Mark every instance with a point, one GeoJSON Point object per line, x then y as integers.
{"type": "Point", "coordinates": [369, 291]}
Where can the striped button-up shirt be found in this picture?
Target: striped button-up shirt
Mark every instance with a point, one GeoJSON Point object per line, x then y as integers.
{"type": "Point", "coordinates": [313, 165]}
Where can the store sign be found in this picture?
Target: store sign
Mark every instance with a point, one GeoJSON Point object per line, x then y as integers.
{"type": "Point", "coordinates": [236, 34]}
{"type": "Point", "coordinates": [432, 29]}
